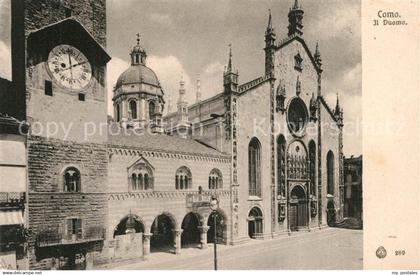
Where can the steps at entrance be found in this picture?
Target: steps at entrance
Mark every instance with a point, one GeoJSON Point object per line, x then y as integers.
{"type": "Point", "coordinates": [349, 223]}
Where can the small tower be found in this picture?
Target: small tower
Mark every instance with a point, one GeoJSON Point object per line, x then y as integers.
{"type": "Point", "coordinates": [317, 57]}
{"type": "Point", "coordinates": [313, 107]}
{"type": "Point", "coordinates": [295, 20]}
{"type": "Point", "coordinates": [198, 94]}
{"type": "Point", "coordinates": [270, 40]}
{"type": "Point", "coordinates": [230, 87]}
{"type": "Point", "coordinates": [183, 127]}
{"type": "Point", "coordinates": [182, 103]}
{"type": "Point", "coordinates": [338, 113]}
{"type": "Point", "coordinates": [138, 54]}
{"type": "Point", "coordinates": [230, 78]}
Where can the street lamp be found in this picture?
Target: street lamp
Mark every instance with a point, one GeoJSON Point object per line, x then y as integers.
{"type": "Point", "coordinates": [214, 205]}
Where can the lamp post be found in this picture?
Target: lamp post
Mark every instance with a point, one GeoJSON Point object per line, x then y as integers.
{"type": "Point", "coordinates": [214, 205]}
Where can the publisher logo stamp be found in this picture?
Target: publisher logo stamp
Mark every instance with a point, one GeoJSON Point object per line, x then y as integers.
{"type": "Point", "coordinates": [381, 252]}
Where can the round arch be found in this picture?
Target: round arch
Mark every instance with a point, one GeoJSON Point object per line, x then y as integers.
{"type": "Point", "coordinates": [219, 219]}
{"type": "Point", "coordinates": [162, 233]}
{"type": "Point", "coordinates": [255, 223]}
{"type": "Point", "coordinates": [136, 224]}
{"type": "Point", "coordinates": [190, 235]}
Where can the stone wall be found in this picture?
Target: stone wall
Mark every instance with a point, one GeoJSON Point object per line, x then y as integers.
{"type": "Point", "coordinates": [49, 206]}
{"type": "Point", "coordinates": [255, 123]}
{"type": "Point", "coordinates": [47, 160]}
{"type": "Point", "coordinates": [91, 13]}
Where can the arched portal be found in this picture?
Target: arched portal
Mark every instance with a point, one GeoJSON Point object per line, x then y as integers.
{"type": "Point", "coordinates": [255, 223]}
{"type": "Point", "coordinates": [221, 229]}
{"type": "Point", "coordinates": [298, 209]}
{"type": "Point", "coordinates": [331, 213]}
{"type": "Point", "coordinates": [190, 234]}
{"type": "Point", "coordinates": [130, 223]}
{"type": "Point", "coordinates": [162, 234]}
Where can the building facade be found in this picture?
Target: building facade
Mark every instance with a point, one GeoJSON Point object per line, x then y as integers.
{"type": "Point", "coordinates": [101, 191]}
{"type": "Point", "coordinates": [13, 194]}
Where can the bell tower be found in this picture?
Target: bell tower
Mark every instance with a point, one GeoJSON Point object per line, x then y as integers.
{"type": "Point", "coordinates": [295, 20]}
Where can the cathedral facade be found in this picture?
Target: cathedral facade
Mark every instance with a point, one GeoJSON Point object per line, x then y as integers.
{"type": "Point", "coordinates": [145, 183]}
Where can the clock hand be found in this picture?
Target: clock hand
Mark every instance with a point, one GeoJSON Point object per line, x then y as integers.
{"type": "Point", "coordinates": [75, 65]}
{"type": "Point", "coordinates": [71, 72]}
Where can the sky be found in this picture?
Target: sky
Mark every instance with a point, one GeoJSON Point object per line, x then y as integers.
{"type": "Point", "coordinates": [191, 37]}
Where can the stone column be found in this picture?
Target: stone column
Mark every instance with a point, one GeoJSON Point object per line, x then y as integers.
{"type": "Point", "coordinates": [142, 108]}
{"type": "Point", "coordinates": [203, 235]}
{"type": "Point", "coordinates": [146, 244]}
{"type": "Point", "coordinates": [177, 237]}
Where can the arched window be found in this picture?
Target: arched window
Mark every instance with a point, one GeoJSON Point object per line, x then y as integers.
{"type": "Point", "coordinates": [140, 185]}
{"type": "Point", "coordinates": [72, 180]}
{"type": "Point", "coordinates": [183, 178]}
{"type": "Point", "coordinates": [281, 166]}
{"type": "Point", "coordinates": [330, 173]}
{"type": "Point", "coordinates": [215, 179]}
{"type": "Point", "coordinates": [146, 181]}
{"type": "Point", "coordinates": [133, 181]}
{"type": "Point", "coordinates": [118, 113]}
{"type": "Point", "coordinates": [312, 167]}
{"type": "Point", "coordinates": [254, 167]}
{"type": "Point", "coordinates": [151, 109]}
{"type": "Point", "coordinates": [141, 178]}
{"type": "Point", "coordinates": [133, 109]}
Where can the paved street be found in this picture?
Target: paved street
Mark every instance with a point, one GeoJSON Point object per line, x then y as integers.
{"type": "Point", "coordinates": [330, 248]}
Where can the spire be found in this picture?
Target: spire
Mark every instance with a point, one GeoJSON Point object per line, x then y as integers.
{"type": "Point", "coordinates": [230, 78]}
{"type": "Point", "coordinates": [295, 20]}
{"type": "Point", "coordinates": [337, 110]}
{"type": "Point", "coordinates": [181, 88]}
{"type": "Point", "coordinates": [182, 102]}
{"type": "Point", "coordinates": [198, 95]}
{"type": "Point", "coordinates": [270, 24]}
{"type": "Point", "coordinates": [229, 68]}
{"type": "Point", "coordinates": [270, 35]}
{"type": "Point", "coordinates": [317, 57]}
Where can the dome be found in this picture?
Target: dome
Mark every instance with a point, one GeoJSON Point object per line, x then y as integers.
{"type": "Point", "coordinates": [138, 74]}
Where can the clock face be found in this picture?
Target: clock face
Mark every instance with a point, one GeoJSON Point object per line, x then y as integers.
{"type": "Point", "coordinates": [70, 67]}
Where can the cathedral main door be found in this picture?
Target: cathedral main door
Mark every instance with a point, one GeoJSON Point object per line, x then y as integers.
{"type": "Point", "coordinates": [298, 210]}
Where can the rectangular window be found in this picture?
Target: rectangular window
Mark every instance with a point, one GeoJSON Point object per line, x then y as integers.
{"type": "Point", "coordinates": [74, 229]}
{"type": "Point", "coordinates": [48, 88]}
{"type": "Point", "coordinates": [82, 97]}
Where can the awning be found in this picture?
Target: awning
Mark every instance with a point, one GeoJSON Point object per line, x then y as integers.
{"type": "Point", "coordinates": [11, 217]}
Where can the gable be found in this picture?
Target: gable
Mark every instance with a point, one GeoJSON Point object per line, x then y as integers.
{"type": "Point", "coordinates": [300, 40]}
{"type": "Point", "coordinates": [140, 162]}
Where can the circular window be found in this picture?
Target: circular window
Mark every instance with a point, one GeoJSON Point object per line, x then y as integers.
{"type": "Point", "coordinates": [297, 116]}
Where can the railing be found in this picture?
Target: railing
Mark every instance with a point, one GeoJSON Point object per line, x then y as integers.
{"type": "Point", "coordinates": [54, 236]}
{"type": "Point", "coordinates": [12, 199]}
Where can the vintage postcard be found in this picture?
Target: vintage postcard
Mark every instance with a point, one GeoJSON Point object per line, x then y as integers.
{"type": "Point", "coordinates": [209, 135]}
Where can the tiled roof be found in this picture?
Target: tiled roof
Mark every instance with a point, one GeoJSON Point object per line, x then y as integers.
{"type": "Point", "coordinates": [144, 140]}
